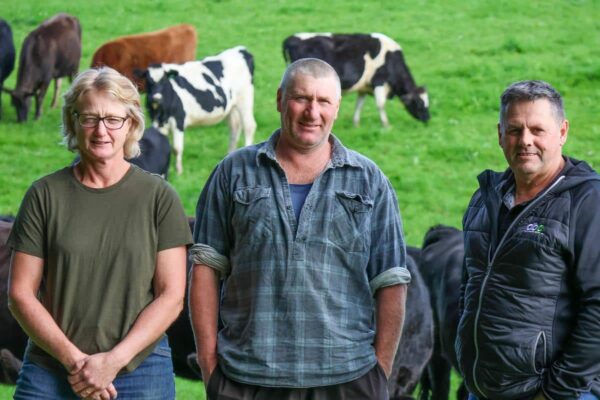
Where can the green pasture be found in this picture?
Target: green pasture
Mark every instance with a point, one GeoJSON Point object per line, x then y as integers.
{"type": "Point", "coordinates": [466, 52]}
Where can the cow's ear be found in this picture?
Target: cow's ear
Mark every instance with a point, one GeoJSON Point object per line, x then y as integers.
{"type": "Point", "coordinates": [172, 74]}
{"type": "Point", "coordinates": [421, 90]}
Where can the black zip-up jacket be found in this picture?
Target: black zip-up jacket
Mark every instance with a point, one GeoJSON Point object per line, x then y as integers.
{"type": "Point", "coordinates": [530, 300]}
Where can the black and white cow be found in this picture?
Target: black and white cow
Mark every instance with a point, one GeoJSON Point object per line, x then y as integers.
{"type": "Point", "coordinates": [7, 55]}
{"type": "Point", "coordinates": [366, 63]}
{"type": "Point", "coordinates": [203, 93]}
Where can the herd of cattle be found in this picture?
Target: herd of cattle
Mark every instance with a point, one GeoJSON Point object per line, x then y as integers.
{"type": "Point", "coordinates": [182, 92]}
{"type": "Point", "coordinates": [426, 353]}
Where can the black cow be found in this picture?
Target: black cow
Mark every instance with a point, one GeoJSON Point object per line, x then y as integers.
{"type": "Point", "coordinates": [416, 344]}
{"type": "Point", "coordinates": [50, 51]}
{"type": "Point", "coordinates": [7, 55]}
{"type": "Point", "coordinates": [203, 92]}
{"type": "Point", "coordinates": [12, 337]}
{"type": "Point", "coordinates": [366, 63]}
{"type": "Point", "coordinates": [441, 267]}
{"type": "Point", "coordinates": [156, 153]}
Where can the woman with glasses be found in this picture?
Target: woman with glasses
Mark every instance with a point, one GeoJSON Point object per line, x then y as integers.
{"type": "Point", "coordinates": [98, 265]}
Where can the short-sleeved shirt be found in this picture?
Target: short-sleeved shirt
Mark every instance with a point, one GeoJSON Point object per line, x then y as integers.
{"type": "Point", "coordinates": [99, 248]}
{"type": "Point", "coordinates": [297, 304]}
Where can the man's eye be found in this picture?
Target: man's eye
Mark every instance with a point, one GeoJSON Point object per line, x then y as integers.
{"type": "Point", "coordinates": [113, 120]}
{"type": "Point", "coordinates": [90, 120]}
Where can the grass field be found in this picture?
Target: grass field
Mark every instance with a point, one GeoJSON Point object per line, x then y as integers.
{"type": "Point", "coordinates": [466, 52]}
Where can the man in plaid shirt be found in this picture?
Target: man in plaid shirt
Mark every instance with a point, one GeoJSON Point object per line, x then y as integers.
{"type": "Point", "coordinates": [299, 279]}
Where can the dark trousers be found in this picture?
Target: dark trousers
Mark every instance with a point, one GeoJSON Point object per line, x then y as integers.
{"type": "Point", "coordinates": [372, 386]}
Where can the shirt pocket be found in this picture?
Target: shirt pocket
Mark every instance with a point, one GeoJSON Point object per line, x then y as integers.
{"type": "Point", "coordinates": [351, 219]}
{"type": "Point", "coordinates": [252, 221]}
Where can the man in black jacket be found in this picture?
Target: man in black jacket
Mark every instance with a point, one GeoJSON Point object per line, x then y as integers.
{"type": "Point", "coordinates": [530, 298]}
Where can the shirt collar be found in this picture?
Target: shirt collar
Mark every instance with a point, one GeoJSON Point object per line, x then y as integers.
{"type": "Point", "coordinates": [340, 155]}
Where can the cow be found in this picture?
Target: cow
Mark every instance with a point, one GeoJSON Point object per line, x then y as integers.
{"type": "Point", "coordinates": [50, 51]}
{"type": "Point", "coordinates": [7, 55]}
{"type": "Point", "coordinates": [366, 63]}
{"type": "Point", "coordinates": [131, 55]}
{"type": "Point", "coordinates": [12, 338]}
{"type": "Point", "coordinates": [156, 153]}
{"type": "Point", "coordinates": [416, 343]}
{"type": "Point", "coordinates": [203, 93]}
{"type": "Point", "coordinates": [441, 266]}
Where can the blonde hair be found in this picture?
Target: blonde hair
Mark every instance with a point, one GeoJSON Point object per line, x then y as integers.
{"type": "Point", "coordinates": [107, 80]}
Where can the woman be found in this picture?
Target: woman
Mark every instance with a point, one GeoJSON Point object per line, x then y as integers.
{"type": "Point", "coordinates": [98, 265]}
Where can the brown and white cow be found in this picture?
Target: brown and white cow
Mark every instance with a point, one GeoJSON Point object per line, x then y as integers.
{"type": "Point", "coordinates": [134, 53]}
{"type": "Point", "coordinates": [50, 51]}
{"type": "Point", "coordinates": [366, 63]}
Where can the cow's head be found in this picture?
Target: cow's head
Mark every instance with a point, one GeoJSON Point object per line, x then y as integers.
{"type": "Point", "coordinates": [417, 103]}
{"type": "Point", "coordinates": [157, 84]}
{"type": "Point", "coordinates": [21, 101]}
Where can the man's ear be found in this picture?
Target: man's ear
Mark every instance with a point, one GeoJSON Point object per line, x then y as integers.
{"type": "Point", "coordinates": [564, 132]}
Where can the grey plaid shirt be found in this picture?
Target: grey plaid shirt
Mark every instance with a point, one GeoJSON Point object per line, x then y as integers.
{"type": "Point", "coordinates": [297, 302]}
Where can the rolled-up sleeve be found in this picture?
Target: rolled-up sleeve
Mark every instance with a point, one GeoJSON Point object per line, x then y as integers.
{"type": "Point", "coordinates": [212, 230]}
{"type": "Point", "coordinates": [387, 262]}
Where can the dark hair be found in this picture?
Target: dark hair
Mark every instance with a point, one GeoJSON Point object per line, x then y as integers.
{"type": "Point", "coordinates": [530, 91]}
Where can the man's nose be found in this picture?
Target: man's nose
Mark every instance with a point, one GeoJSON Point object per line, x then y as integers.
{"type": "Point", "coordinates": [526, 137]}
{"type": "Point", "coordinates": [312, 108]}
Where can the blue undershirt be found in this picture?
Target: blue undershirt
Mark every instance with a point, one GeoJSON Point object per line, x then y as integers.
{"type": "Point", "coordinates": [299, 193]}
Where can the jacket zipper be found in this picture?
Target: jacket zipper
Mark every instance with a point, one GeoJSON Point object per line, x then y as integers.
{"type": "Point", "coordinates": [488, 271]}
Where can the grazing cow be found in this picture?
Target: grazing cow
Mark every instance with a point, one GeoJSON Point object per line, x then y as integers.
{"type": "Point", "coordinates": [7, 55]}
{"type": "Point", "coordinates": [12, 337]}
{"type": "Point", "coordinates": [203, 93]}
{"type": "Point", "coordinates": [132, 54]}
{"type": "Point", "coordinates": [441, 267]}
{"type": "Point", "coordinates": [416, 344]}
{"type": "Point", "coordinates": [50, 51]}
{"type": "Point", "coordinates": [366, 63]}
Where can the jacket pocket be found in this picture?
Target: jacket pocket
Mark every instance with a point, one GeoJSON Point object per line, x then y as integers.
{"type": "Point", "coordinates": [351, 219]}
{"type": "Point", "coordinates": [539, 355]}
{"type": "Point", "coordinates": [252, 220]}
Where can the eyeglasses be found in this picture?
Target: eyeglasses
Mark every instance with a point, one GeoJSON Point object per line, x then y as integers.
{"type": "Point", "coordinates": [92, 121]}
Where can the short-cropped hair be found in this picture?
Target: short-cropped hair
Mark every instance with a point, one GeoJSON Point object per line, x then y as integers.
{"type": "Point", "coordinates": [311, 67]}
{"type": "Point", "coordinates": [531, 90]}
{"type": "Point", "coordinates": [107, 80]}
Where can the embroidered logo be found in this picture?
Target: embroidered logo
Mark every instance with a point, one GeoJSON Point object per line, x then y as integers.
{"type": "Point", "coordinates": [534, 228]}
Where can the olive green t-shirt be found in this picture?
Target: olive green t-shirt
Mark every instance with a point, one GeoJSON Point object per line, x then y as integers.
{"type": "Point", "coordinates": [99, 248]}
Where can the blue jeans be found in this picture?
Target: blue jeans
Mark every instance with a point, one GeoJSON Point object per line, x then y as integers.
{"type": "Point", "coordinates": [584, 396]}
{"type": "Point", "coordinates": [153, 379]}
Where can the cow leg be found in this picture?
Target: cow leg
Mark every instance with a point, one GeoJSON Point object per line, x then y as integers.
{"type": "Point", "coordinates": [235, 128]}
{"type": "Point", "coordinates": [57, 84]}
{"type": "Point", "coordinates": [39, 98]}
{"type": "Point", "coordinates": [360, 102]}
{"type": "Point", "coordinates": [178, 150]}
{"type": "Point", "coordinates": [380, 99]}
{"type": "Point", "coordinates": [247, 114]}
